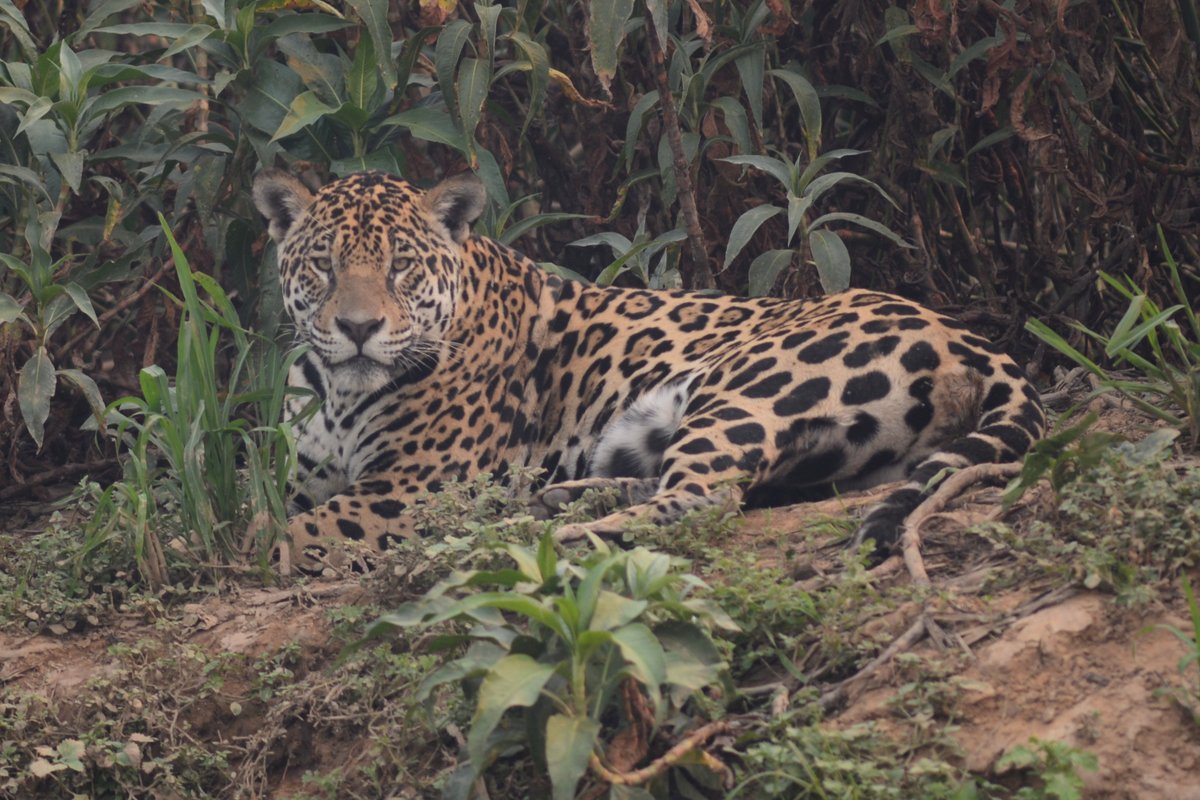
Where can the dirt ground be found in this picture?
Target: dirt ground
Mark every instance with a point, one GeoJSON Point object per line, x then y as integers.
{"type": "Point", "coordinates": [1060, 664]}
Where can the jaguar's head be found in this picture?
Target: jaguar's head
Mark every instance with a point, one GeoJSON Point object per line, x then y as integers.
{"type": "Point", "coordinates": [370, 266]}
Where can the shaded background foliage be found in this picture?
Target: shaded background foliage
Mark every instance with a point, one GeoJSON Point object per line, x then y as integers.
{"type": "Point", "coordinates": [1020, 148]}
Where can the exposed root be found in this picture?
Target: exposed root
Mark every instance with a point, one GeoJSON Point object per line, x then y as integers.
{"type": "Point", "coordinates": [950, 488]}
{"type": "Point", "coordinates": [835, 695]}
{"type": "Point", "coordinates": [671, 757]}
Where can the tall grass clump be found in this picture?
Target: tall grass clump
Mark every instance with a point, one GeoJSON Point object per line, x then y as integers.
{"type": "Point", "coordinates": [207, 466]}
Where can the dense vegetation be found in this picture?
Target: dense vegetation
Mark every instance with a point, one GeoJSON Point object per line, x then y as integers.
{"type": "Point", "coordinates": [1030, 165]}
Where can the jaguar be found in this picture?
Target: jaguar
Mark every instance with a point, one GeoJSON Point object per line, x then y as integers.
{"type": "Point", "coordinates": [440, 355]}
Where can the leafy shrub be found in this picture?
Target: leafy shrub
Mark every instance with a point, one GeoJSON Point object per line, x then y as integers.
{"type": "Point", "coordinates": [578, 632]}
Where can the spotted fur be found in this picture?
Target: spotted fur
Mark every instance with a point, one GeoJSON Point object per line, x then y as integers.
{"type": "Point", "coordinates": [441, 355]}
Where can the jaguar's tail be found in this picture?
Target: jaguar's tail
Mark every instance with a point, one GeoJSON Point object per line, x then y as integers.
{"type": "Point", "coordinates": [1008, 419]}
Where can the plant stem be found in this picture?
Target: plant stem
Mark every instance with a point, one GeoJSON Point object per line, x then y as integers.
{"type": "Point", "coordinates": [699, 276]}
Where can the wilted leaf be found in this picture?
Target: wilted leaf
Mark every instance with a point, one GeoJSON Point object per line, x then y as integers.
{"type": "Point", "coordinates": [606, 32]}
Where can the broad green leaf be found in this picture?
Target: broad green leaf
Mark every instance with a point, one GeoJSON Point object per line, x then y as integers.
{"type": "Point", "coordinates": [165, 30]}
{"type": "Point", "coordinates": [810, 106]}
{"type": "Point", "coordinates": [645, 659]}
{"type": "Point", "coordinates": [827, 181]}
{"type": "Point", "coordinates": [450, 43]}
{"type": "Point", "coordinates": [71, 752]}
{"type": "Point", "coordinates": [819, 163]}
{"type": "Point", "coordinates": [633, 125]}
{"type": "Point", "coordinates": [992, 138]}
{"type": "Point", "coordinates": [862, 222]}
{"type": "Point", "coordinates": [489, 17]}
{"type": "Point", "coordinates": [750, 66]}
{"type": "Point", "coordinates": [832, 259]}
{"type": "Point", "coordinates": [658, 15]}
{"type": "Point", "coordinates": [693, 661]}
{"type": "Point", "coordinates": [15, 94]}
{"type": "Point", "coordinates": [527, 562]}
{"type": "Point", "coordinates": [539, 75]}
{"type": "Point", "coordinates": [619, 244]}
{"type": "Point", "coordinates": [428, 124]}
{"type": "Point", "coordinates": [306, 109]}
{"type": "Point", "coordinates": [765, 269]}
{"type": "Point", "coordinates": [569, 745]}
{"type": "Point", "coordinates": [10, 173]}
{"type": "Point", "coordinates": [190, 38]}
{"type": "Point", "coordinates": [976, 50]}
{"type": "Point", "coordinates": [91, 392]}
{"type": "Point", "coordinates": [606, 26]}
{"type": "Point", "coordinates": [14, 20]}
{"type": "Point", "coordinates": [82, 301]}
{"type": "Point", "coordinates": [735, 120]}
{"type": "Point", "coordinates": [374, 14]}
{"type": "Point", "coordinates": [10, 309]}
{"type": "Point", "coordinates": [745, 228]}
{"type": "Point", "coordinates": [144, 95]}
{"type": "Point", "coordinates": [481, 656]}
{"type": "Point", "coordinates": [303, 23]}
{"type": "Point", "coordinates": [613, 610]}
{"type": "Point", "coordinates": [514, 681]}
{"type": "Point", "coordinates": [474, 79]}
{"type": "Point", "coordinates": [70, 165]}
{"type": "Point", "coordinates": [35, 387]}
{"type": "Point", "coordinates": [780, 170]}
{"type": "Point", "coordinates": [99, 12]}
{"type": "Point", "coordinates": [796, 209]}
{"type": "Point", "coordinates": [363, 77]}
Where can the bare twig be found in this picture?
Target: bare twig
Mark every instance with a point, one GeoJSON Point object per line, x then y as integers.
{"type": "Point", "coordinates": [836, 694]}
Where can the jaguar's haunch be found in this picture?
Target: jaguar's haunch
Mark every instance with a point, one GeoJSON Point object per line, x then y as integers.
{"type": "Point", "coordinates": [442, 355]}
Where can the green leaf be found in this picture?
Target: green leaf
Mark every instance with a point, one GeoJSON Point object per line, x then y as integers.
{"type": "Point", "coordinates": [14, 20]}
{"type": "Point", "coordinates": [71, 752]}
{"type": "Point", "coordinates": [35, 387]}
{"type": "Point", "coordinates": [735, 120]}
{"type": "Point", "coordinates": [539, 75]}
{"type": "Point", "coordinates": [992, 138]}
{"type": "Point", "coordinates": [780, 170]}
{"type": "Point", "coordinates": [428, 124]}
{"type": "Point", "coordinates": [527, 562]}
{"type": "Point", "coordinates": [633, 125]}
{"type": "Point", "coordinates": [143, 95]}
{"type": "Point", "coordinates": [862, 222]}
{"type": "Point", "coordinates": [82, 301]}
{"type": "Point", "coordinates": [645, 658]}
{"type": "Point", "coordinates": [765, 269]}
{"type": "Point", "coordinates": [450, 43]}
{"type": "Point", "coordinates": [613, 610]}
{"type": "Point", "coordinates": [750, 67]}
{"type": "Point", "coordinates": [745, 228]}
{"type": "Point", "coordinates": [606, 26]}
{"type": "Point", "coordinates": [514, 681]}
{"type": "Point", "coordinates": [569, 745]}
{"type": "Point", "coordinates": [363, 77]}
{"type": "Point", "coordinates": [810, 106]}
{"type": "Point", "coordinates": [10, 309]}
{"type": "Point", "coordinates": [89, 389]}
{"type": "Point", "coordinates": [306, 109]}
{"type": "Point", "coordinates": [693, 661]}
{"type": "Point", "coordinates": [832, 259]}
{"type": "Point", "coordinates": [474, 80]}
{"type": "Point", "coordinates": [190, 38]}
{"type": "Point", "coordinates": [374, 14]}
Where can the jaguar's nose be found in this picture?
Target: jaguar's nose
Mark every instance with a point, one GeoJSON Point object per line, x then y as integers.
{"type": "Point", "coordinates": [359, 332]}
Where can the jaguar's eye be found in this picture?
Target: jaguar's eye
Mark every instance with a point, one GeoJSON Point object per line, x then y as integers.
{"type": "Point", "coordinates": [322, 264]}
{"type": "Point", "coordinates": [400, 265]}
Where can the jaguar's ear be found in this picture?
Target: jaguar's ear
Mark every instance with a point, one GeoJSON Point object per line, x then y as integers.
{"type": "Point", "coordinates": [457, 202]}
{"type": "Point", "coordinates": [281, 198]}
